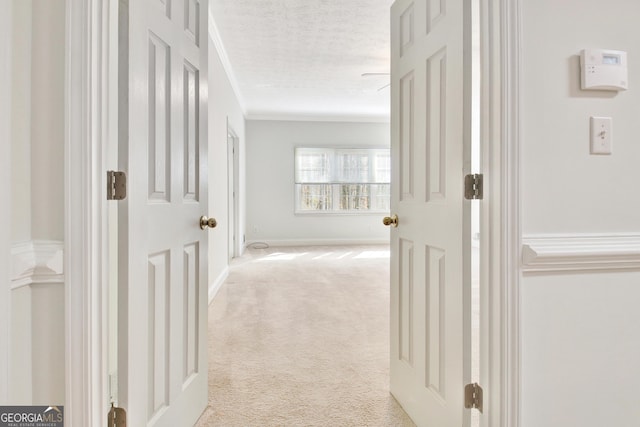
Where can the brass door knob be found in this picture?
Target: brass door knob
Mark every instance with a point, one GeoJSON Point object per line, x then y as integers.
{"type": "Point", "coordinates": [390, 220]}
{"type": "Point", "coordinates": [207, 222]}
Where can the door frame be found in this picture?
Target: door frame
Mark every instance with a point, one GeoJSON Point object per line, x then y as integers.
{"type": "Point", "coordinates": [500, 212]}
{"type": "Point", "coordinates": [88, 32]}
{"type": "Point", "coordinates": [507, 212]}
{"type": "Point", "coordinates": [233, 181]}
{"type": "Point", "coordinates": [87, 97]}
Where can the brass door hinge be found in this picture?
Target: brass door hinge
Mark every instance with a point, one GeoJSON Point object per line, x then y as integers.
{"type": "Point", "coordinates": [116, 185]}
{"type": "Point", "coordinates": [473, 396]}
{"type": "Point", "coordinates": [117, 417]}
{"type": "Point", "coordinates": [473, 188]}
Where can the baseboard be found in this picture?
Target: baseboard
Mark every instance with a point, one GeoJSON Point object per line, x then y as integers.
{"type": "Point", "coordinates": [319, 242]}
{"type": "Point", "coordinates": [580, 252]}
{"type": "Point", "coordinates": [215, 286]}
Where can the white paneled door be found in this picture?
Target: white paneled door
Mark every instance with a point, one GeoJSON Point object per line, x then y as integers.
{"type": "Point", "coordinates": [429, 125]}
{"type": "Point", "coordinates": [162, 352]}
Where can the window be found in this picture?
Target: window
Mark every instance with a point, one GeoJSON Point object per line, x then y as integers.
{"type": "Point", "coordinates": [342, 180]}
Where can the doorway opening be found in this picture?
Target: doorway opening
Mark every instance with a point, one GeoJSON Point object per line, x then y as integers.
{"type": "Point", "coordinates": [233, 192]}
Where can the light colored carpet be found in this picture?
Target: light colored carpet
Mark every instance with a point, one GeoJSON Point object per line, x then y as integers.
{"type": "Point", "coordinates": [300, 337]}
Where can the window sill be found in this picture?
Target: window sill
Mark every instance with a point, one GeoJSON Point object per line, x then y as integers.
{"type": "Point", "coordinates": [338, 213]}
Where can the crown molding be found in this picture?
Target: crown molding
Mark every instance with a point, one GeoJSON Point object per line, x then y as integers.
{"type": "Point", "coordinates": [214, 33]}
{"type": "Point", "coordinates": [302, 117]}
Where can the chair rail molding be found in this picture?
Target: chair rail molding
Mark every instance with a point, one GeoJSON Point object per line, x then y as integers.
{"type": "Point", "coordinates": [37, 262]}
{"type": "Point", "coordinates": [580, 252]}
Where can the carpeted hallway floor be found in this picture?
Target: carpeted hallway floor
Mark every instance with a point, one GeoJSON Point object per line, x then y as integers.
{"type": "Point", "coordinates": [300, 337]}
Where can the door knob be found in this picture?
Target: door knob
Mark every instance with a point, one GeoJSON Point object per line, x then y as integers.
{"type": "Point", "coordinates": [207, 222]}
{"type": "Point", "coordinates": [390, 220]}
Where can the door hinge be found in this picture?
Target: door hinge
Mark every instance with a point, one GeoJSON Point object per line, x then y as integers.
{"type": "Point", "coordinates": [473, 186]}
{"type": "Point", "coordinates": [117, 417]}
{"type": "Point", "coordinates": [116, 185]}
{"type": "Point", "coordinates": [473, 396]}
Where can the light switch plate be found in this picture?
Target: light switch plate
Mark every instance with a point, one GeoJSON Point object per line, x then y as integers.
{"type": "Point", "coordinates": [601, 135]}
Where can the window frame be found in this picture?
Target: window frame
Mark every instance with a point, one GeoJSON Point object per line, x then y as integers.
{"type": "Point", "coordinates": [336, 181]}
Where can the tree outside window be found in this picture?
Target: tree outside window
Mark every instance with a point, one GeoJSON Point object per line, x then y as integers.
{"type": "Point", "coordinates": [342, 180]}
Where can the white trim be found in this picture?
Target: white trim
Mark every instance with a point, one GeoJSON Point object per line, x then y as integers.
{"type": "Point", "coordinates": [319, 242]}
{"type": "Point", "coordinates": [580, 252]}
{"type": "Point", "coordinates": [494, 373]}
{"type": "Point", "coordinates": [215, 286]}
{"type": "Point", "coordinates": [86, 89]}
{"type": "Point", "coordinates": [224, 59]}
{"type": "Point", "coordinates": [233, 192]}
{"type": "Point", "coordinates": [6, 28]}
{"type": "Point", "coordinates": [510, 23]}
{"type": "Point", "coordinates": [37, 262]}
{"type": "Point", "coordinates": [270, 116]}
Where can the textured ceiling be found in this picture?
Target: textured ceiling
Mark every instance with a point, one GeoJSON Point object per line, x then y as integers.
{"type": "Point", "coordinates": [306, 57]}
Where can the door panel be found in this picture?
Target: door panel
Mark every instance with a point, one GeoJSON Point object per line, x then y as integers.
{"type": "Point", "coordinates": [191, 125]}
{"type": "Point", "coordinates": [428, 326]}
{"type": "Point", "coordinates": [162, 250]}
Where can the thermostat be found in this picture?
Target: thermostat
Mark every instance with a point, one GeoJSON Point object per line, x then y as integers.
{"type": "Point", "coordinates": [604, 69]}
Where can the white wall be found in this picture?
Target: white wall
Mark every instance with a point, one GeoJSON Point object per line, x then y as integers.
{"type": "Point", "coordinates": [6, 18]}
{"type": "Point", "coordinates": [270, 183]}
{"type": "Point", "coordinates": [580, 350]}
{"type": "Point", "coordinates": [47, 119]}
{"type": "Point", "coordinates": [21, 123]}
{"type": "Point", "coordinates": [224, 107]}
{"type": "Point", "coordinates": [37, 205]}
{"type": "Point", "coordinates": [580, 335]}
